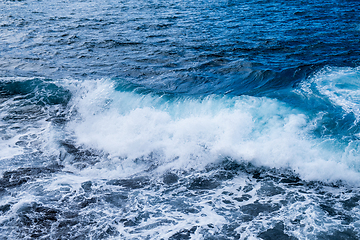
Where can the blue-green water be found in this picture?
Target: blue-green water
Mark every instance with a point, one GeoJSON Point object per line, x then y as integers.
{"type": "Point", "coordinates": [179, 119]}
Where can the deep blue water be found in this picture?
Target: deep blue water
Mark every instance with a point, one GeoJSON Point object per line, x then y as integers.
{"type": "Point", "coordinates": [179, 119]}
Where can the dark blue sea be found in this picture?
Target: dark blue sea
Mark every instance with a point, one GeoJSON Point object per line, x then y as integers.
{"type": "Point", "coordinates": [180, 119]}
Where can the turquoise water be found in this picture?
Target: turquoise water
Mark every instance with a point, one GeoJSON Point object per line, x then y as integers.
{"type": "Point", "coordinates": [179, 119]}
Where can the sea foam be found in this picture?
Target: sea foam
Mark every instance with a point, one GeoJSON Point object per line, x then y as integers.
{"type": "Point", "coordinates": [188, 132]}
{"type": "Point", "coordinates": [339, 85]}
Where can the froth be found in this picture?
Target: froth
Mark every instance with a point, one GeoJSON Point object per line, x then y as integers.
{"type": "Point", "coordinates": [190, 133]}
{"type": "Point", "coordinates": [341, 86]}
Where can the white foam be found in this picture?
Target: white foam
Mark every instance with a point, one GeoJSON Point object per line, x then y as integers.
{"type": "Point", "coordinates": [190, 133]}
{"type": "Point", "coordinates": [20, 137]}
{"type": "Point", "coordinates": [341, 86]}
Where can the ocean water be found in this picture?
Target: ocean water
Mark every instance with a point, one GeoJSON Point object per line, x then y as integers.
{"type": "Point", "coordinates": [155, 119]}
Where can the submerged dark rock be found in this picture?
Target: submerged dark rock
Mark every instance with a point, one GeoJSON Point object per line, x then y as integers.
{"type": "Point", "coordinates": [170, 178]}
{"type": "Point", "coordinates": [351, 202]}
{"type": "Point", "coordinates": [329, 209]}
{"type": "Point", "coordinates": [86, 186]}
{"type": "Point", "coordinates": [115, 198]}
{"type": "Point", "coordinates": [203, 183]}
{"type": "Point", "coordinates": [256, 208]}
{"type": "Point", "coordinates": [5, 208]}
{"type": "Point", "coordinates": [37, 217]}
{"type": "Point", "coordinates": [243, 198]}
{"type": "Point", "coordinates": [276, 233]}
{"type": "Point", "coordinates": [131, 183]}
{"type": "Point", "coordinates": [348, 234]}
{"type": "Point", "coordinates": [269, 189]}
{"type": "Point", "coordinates": [87, 201]}
{"type": "Point", "coordinates": [183, 234]}
{"type": "Point", "coordinates": [20, 176]}
{"type": "Point", "coordinates": [292, 180]}
{"type": "Point", "coordinates": [81, 157]}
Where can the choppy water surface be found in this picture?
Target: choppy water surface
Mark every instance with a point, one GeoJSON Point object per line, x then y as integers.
{"type": "Point", "coordinates": [179, 119]}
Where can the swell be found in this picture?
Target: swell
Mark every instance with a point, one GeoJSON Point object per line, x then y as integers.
{"type": "Point", "coordinates": [179, 45]}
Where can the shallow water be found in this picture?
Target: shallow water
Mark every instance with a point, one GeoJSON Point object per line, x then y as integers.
{"type": "Point", "coordinates": [179, 120]}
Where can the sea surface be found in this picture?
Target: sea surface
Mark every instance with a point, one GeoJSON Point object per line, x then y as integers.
{"type": "Point", "coordinates": [180, 119]}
